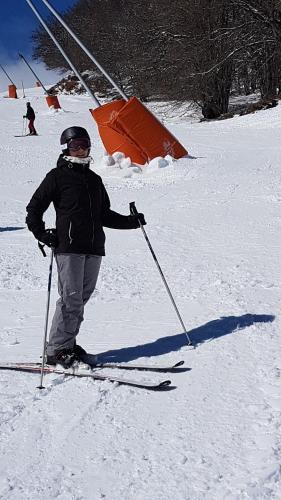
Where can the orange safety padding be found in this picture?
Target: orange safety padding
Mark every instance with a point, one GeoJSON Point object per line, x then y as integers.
{"type": "Point", "coordinates": [13, 92]}
{"type": "Point", "coordinates": [114, 140]}
{"type": "Point", "coordinates": [139, 124]}
{"type": "Point", "coordinates": [129, 127]}
{"type": "Point", "coordinates": [53, 101]}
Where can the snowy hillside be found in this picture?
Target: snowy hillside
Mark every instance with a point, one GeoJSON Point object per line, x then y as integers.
{"type": "Point", "coordinates": [214, 221]}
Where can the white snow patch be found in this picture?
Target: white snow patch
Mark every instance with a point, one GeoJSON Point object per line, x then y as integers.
{"type": "Point", "coordinates": [214, 222]}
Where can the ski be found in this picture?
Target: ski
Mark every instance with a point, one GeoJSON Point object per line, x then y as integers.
{"type": "Point", "coordinates": [151, 368]}
{"type": "Point", "coordinates": [93, 361]}
{"type": "Point", "coordinates": [36, 368]}
{"type": "Point", "coordinates": [177, 367]}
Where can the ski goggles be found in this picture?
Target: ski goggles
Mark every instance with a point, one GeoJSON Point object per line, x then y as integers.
{"type": "Point", "coordinates": [76, 144]}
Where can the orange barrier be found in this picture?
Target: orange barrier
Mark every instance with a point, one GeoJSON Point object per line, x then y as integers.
{"type": "Point", "coordinates": [129, 127]}
{"type": "Point", "coordinates": [13, 92]}
{"type": "Point", "coordinates": [53, 101]}
{"type": "Point", "coordinates": [112, 139]}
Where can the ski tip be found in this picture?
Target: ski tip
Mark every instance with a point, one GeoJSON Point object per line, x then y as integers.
{"type": "Point", "coordinates": [165, 383]}
{"type": "Point", "coordinates": [179, 368]}
{"type": "Point", "coordinates": [165, 386]}
{"type": "Point", "coordinates": [180, 363]}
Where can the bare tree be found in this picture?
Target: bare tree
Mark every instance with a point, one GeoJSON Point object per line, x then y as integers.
{"type": "Point", "coordinates": [185, 49]}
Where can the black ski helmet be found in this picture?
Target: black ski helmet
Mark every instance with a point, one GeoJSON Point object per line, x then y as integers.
{"type": "Point", "coordinates": [73, 133]}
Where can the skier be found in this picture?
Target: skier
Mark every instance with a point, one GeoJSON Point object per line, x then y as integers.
{"type": "Point", "coordinates": [82, 209]}
{"type": "Point", "coordinates": [30, 115]}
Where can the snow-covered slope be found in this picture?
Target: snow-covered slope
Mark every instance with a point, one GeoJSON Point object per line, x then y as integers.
{"type": "Point", "coordinates": [214, 220]}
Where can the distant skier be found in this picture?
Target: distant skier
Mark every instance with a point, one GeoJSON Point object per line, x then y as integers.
{"type": "Point", "coordinates": [30, 115]}
{"type": "Point", "coordinates": [82, 209]}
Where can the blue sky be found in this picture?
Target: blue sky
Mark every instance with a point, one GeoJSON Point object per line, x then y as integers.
{"type": "Point", "coordinates": [16, 25]}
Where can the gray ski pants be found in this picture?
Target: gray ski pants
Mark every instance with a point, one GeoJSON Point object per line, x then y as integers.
{"type": "Point", "coordinates": [77, 278]}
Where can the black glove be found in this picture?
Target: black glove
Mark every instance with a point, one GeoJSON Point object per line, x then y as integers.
{"type": "Point", "coordinates": [136, 220]}
{"type": "Point", "coordinates": [49, 238]}
{"type": "Point", "coordinates": [24, 116]}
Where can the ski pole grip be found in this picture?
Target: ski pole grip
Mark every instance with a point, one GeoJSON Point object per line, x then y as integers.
{"type": "Point", "coordinates": [133, 208]}
{"type": "Point", "coordinates": [41, 247]}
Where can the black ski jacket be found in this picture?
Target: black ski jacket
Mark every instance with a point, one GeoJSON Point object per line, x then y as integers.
{"type": "Point", "coordinates": [30, 115]}
{"type": "Point", "coordinates": [82, 209]}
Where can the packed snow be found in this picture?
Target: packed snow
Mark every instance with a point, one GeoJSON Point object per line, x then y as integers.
{"type": "Point", "coordinates": [214, 221]}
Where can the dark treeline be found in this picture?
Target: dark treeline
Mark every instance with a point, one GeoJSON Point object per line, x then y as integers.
{"type": "Point", "coordinates": [198, 50]}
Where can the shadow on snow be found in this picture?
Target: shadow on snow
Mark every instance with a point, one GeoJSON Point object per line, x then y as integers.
{"type": "Point", "coordinates": [211, 330]}
{"type": "Point", "coordinates": [4, 229]}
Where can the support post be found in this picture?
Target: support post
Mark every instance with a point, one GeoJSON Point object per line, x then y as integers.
{"type": "Point", "coordinates": [77, 40]}
{"type": "Point", "coordinates": [23, 93]}
{"type": "Point", "coordinates": [63, 53]}
{"type": "Point", "coordinates": [33, 72]}
{"type": "Point", "coordinates": [7, 75]}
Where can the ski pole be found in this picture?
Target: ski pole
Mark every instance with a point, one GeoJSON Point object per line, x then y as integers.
{"type": "Point", "coordinates": [23, 126]}
{"type": "Point", "coordinates": [46, 319]}
{"type": "Point", "coordinates": [134, 211]}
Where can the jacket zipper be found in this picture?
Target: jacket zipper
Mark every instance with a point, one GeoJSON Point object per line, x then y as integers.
{"type": "Point", "coordinates": [69, 233]}
{"type": "Point", "coordinates": [91, 209]}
